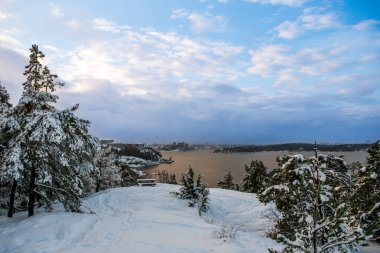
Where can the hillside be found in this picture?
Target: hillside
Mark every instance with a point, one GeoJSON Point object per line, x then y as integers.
{"type": "Point", "coordinates": [138, 220]}
{"type": "Point", "coordinates": [144, 220]}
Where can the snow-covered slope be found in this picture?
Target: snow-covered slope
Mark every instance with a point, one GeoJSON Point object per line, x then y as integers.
{"type": "Point", "coordinates": [142, 219]}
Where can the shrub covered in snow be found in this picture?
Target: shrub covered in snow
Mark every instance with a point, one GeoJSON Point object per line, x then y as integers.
{"type": "Point", "coordinates": [194, 191]}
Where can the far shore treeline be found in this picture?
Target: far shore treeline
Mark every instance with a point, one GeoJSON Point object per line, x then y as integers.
{"type": "Point", "coordinates": [294, 147]}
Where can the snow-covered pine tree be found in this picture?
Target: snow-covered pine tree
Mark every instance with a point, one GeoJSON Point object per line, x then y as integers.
{"type": "Point", "coordinates": [45, 154]}
{"type": "Point", "coordinates": [5, 105]}
{"type": "Point", "coordinates": [4, 99]}
{"type": "Point", "coordinates": [107, 173]}
{"type": "Point", "coordinates": [313, 218]}
{"type": "Point", "coordinates": [195, 192]}
{"type": "Point", "coordinates": [254, 178]}
{"type": "Point", "coordinates": [365, 201]}
{"type": "Point", "coordinates": [227, 182]}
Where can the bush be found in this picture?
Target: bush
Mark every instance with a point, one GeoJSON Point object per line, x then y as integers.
{"type": "Point", "coordinates": [194, 192]}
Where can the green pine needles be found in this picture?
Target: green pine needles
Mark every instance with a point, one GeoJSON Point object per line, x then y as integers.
{"type": "Point", "coordinates": [194, 191]}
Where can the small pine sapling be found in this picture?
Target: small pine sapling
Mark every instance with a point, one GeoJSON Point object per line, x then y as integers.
{"type": "Point", "coordinates": [227, 182]}
{"type": "Point", "coordinates": [194, 191]}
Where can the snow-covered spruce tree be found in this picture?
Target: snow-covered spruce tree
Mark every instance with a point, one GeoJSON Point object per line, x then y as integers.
{"type": "Point", "coordinates": [313, 218]}
{"type": "Point", "coordinates": [4, 100]}
{"type": "Point", "coordinates": [254, 178]}
{"type": "Point", "coordinates": [365, 201]}
{"type": "Point", "coordinates": [107, 173]}
{"type": "Point", "coordinates": [5, 187]}
{"type": "Point", "coordinates": [45, 154]}
{"type": "Point", "coordinates": [194, 191]}
{"type": "Point", "coordinates": [227, 182]}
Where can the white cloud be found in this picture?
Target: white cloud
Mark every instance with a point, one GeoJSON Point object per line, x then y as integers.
{"type": "Point", "coordinates": [366, 24]}
{"type": "Point", "coordinates": [206, 22]}
{"type": "Point", "coordinates": [179, 13]}
{"type": "Point", "coordinates": [55, 10]}
{"type": "Point", "coordinates": [4, 15]}
{"type": "Point", "coordinates": [288, 30]}
{"type": "Point", "coordinates": [108, 26]}
{"type": "Point", "coordinates": [11, 42]}
{"type": "Point", "coordinates": [202, 22]}
{"type": "Point", "coordinates": [310, 20]}
{"type": "Point", "coordinates": [318, 21]}
{"type": "Point", "coordinates": [286, 66]}
{"type": "Point", "coordinates": [292, 3]}
{"type": "Point", "coordinates": [223, 1]}
{"type": "Point", "coordinates": [138, 59]}
{"type": "Point", "coordinates": [73, 24]}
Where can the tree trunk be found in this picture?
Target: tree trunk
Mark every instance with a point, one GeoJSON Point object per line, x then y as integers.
{"type": "Point", "coordinates": [97, 186]}
{"type": "Point", "coordinates": [32, 194]}
{"type": "Point", "coordinates": [12, 199]}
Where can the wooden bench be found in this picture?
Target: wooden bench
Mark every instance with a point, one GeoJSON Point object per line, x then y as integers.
{"type": "Point", "coordinates": [146, 182]}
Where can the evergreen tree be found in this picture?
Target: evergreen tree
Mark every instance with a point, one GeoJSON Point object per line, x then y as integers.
{"type": "Point", "coordinates": [254, 178]}
{"type": "Point", "coordinates": [227, 182]}
{"type": "Point", "coordinates": [6, 200]}
{"type": "Point", "coordinates": [48, 146]}
{"type": "Point", "coordinates": [365, 202]}
{"type": "Point", "coordinates": [128, 176]}
{"type": "Point", "coordinates": [4, 100]}
{"type": "Point", "coordinates": [194, 191]}
{"type": "Point", "coordinates": [313, 218]}
{"type": "Point", "coordinates": [107, 173]}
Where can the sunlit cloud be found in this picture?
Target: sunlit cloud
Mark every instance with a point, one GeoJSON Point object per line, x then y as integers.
{"type": "Point", "coordinates": [367, 24]}
{"type": "Point", "coordinates": [56, 10]}
{"type": "Point", "coordinates": [202, 22]}
{"type": "Point", "coordinates": [310, 20]}
{"type": "Point", "coordinates": [292, 3]}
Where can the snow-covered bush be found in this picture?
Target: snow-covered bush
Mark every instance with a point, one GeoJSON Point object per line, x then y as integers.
{"type": "Point", "coordinates": [194, 191]}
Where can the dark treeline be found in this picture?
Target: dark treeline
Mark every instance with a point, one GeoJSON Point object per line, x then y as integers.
{"type": "Point", "coordinates": [295, 147]}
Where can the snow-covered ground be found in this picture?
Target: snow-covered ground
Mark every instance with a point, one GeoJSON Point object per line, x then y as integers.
{"type": "Point", "coordinates": [142, 219]}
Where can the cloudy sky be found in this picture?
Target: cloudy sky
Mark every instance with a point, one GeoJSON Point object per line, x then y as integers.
{"type": "Point", "coordinates": [218, 71]}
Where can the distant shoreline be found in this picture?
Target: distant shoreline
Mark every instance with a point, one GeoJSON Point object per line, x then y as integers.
{"type": "Point", "coordinates": [293, 147]}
